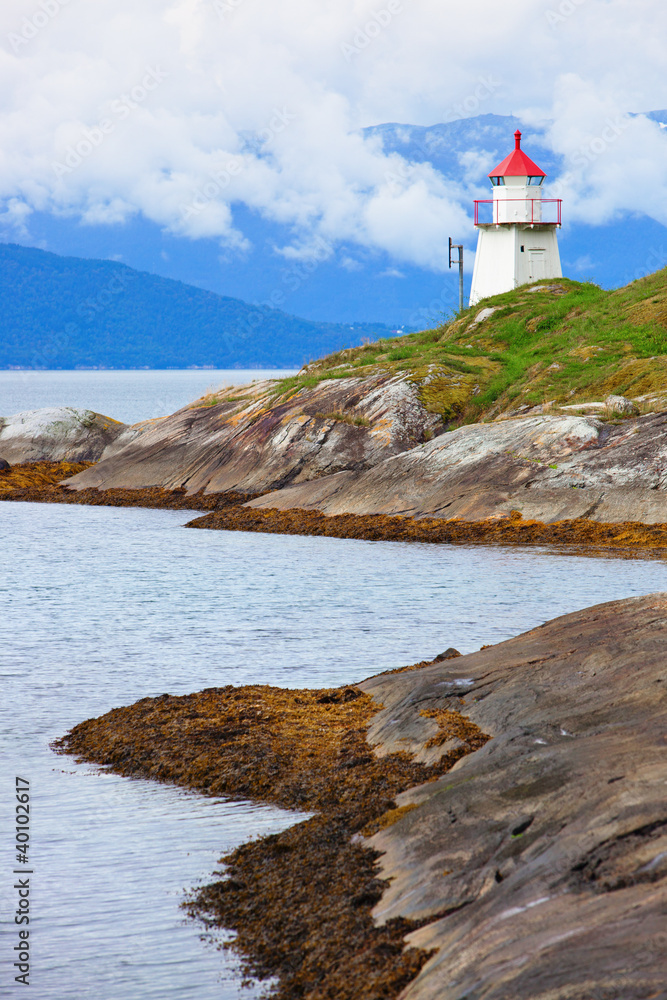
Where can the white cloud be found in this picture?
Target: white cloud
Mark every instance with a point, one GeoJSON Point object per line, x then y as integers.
{"type": "Point", "coordinates": [13, 219]}
{"type": "Point", "coordinates": [179, 109]}
{"type": "Point", "coordinates": [614, 161]}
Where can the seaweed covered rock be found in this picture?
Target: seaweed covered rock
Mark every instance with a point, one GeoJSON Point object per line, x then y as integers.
{"type": "Point", "coordinates": [504, 809]}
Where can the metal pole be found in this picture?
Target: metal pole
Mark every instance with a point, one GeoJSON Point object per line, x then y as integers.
{"type": "Point", "coordinates": [459, 247]}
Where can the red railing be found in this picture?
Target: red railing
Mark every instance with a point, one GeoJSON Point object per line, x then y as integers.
{"type": "Point", "coordinates": [528, 221]}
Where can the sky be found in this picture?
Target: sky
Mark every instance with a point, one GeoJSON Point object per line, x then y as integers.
{"type": "Point", "coordinates": [180, 110]}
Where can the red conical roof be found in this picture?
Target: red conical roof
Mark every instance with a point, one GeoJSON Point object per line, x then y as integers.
{"type": "Point", "coordinates": [517, 164]}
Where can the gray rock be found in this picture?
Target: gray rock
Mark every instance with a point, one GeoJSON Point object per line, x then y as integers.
{"type": "Point", "coordinates": [539, 862]}
{"type": "Point", "coordinates": [4, 465]}
{"type": "Point", "coordinates": [253, 443]}
{"type": "Point", "coordinates": [56, 434]}
{"type": "Point", "coordinates": [622, 406]}
{"type": "Point", "coordinates": [554, 289]}
{"type": "Point", "coordinates": [548, 467]}
{"type": "Point", "coordinates": [357, 445]}
{"type": "Point", "coordinates": [482, 315]}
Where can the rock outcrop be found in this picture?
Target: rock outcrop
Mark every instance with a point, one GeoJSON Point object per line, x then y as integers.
{"type": "Point", "coordinates": [549, 468]}
{"type": "Point", "coordinates": [369, 446]}
{"type": "Point", "coordinates": [542, 857]}
{"type": "Point", "coordinates": [252, 441]}
{"type": "Point", "coordinates": [56, 434]}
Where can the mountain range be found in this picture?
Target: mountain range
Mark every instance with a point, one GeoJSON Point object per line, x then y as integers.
{"type": "Point", "coordinates": [68, 312]}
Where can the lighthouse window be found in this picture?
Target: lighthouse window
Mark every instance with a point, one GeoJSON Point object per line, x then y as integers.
{"type": "Point", "coordinates": [497, 181]}
{"type": "Point", "coordinates": [535, 180]}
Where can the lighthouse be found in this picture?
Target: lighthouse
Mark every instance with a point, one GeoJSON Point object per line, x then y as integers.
{"type": "Point", "coordinates": [517, 240]}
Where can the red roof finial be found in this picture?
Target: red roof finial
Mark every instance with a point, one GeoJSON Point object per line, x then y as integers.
{"type": "Point", "coordinates": [517, 164]}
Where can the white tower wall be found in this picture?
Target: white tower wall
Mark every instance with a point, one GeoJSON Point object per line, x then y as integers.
{"type": "Point", "coordinates": [494, 268]}
{"type": "Point", "coordinates": [539, 258]}
{"type": "Point", "coordinates": [512, 255]}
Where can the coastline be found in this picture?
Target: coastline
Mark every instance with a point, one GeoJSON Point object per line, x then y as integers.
{"type": "Point", "coordinates": [300, 749]}
{"type": "Point", "coordinates": [471, 803]}
{"type": "Point", "coordinates": [40, 482]}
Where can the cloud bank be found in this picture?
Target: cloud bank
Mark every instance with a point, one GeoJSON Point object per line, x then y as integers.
{"type": "Point", "coordinates": [182, 110]}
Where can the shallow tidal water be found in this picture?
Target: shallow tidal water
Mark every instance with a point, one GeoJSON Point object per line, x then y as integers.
{"type": "Point", "coordinates": [102, 606]}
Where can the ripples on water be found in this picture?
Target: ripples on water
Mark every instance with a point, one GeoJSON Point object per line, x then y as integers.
{"type": "Point", "coordinates": [103, 606]}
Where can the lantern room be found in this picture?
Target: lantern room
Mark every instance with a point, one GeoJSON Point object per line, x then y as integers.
{"type": "Point", "coordinates": [517, 240]}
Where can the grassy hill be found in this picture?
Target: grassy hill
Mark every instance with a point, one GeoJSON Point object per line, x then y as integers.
{"type": "Point", "coordinates": [67, 312]}
{"type": "Point", "coordinates": [559, 343]}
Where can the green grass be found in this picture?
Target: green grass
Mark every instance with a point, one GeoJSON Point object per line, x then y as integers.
{"type": "Point", "coordinates": [214, 400]}
{"type": "Point", "coordinates": [601, 341]}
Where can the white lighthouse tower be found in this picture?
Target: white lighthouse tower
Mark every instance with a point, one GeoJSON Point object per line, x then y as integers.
{"type": "Point", "coordinates": [517, 240]}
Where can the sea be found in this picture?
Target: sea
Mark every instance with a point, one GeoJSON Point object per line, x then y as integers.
{"type": "Point", "coordinates": [103, 606]}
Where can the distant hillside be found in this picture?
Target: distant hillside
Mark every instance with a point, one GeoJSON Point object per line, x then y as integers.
{"type": "Point", "coordinates": [67, 312]}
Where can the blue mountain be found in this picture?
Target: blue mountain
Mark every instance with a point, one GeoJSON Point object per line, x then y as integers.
{"type": "Point", "coordinates": [68, 312]}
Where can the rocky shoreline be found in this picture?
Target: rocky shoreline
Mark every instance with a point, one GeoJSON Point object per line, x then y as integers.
{"type": "Point", "coordinates": [504, 809]}
{"type": "Point", "coordinates": [300, 902]}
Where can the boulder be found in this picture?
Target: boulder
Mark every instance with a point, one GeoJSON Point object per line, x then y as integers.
{"type": "Point", "coordinates": [449, 654]}
{"type": "Point", "coordinates": [621, 406]}
{"type": "Point", "coordinates": [56, 434]}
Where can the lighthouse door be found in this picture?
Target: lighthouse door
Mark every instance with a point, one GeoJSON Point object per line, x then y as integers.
{"type": "Point", "coordinates": [537, 264]}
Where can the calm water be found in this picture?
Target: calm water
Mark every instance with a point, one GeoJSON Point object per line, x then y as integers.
{"type": "Point", "coordinates": [103, 606]}
{"type": "Point", "coordinates": [129, 396]}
